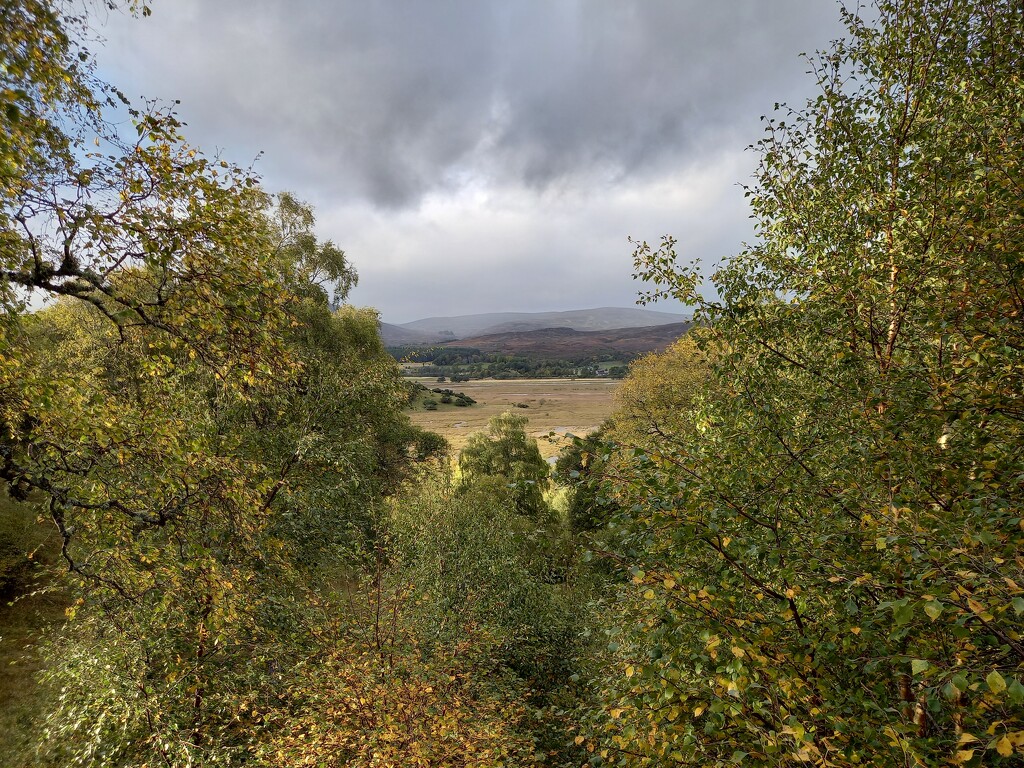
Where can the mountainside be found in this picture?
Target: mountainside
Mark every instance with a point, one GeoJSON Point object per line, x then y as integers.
{"type": "Point", "coordinates": [570, 344]}
{"type": "Point", "coordinates": [601, 318]}
{"type": "Point", "coordinates": [399, 336]}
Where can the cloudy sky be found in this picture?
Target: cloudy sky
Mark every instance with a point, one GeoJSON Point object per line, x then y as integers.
{"type": "Point", "coordinates": [485, 155]}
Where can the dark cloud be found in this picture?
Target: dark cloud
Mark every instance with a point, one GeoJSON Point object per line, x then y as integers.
{"type": "Point", "coordinates": [483, 155]}
{"type": "Point", "coordinates": [392, 100]}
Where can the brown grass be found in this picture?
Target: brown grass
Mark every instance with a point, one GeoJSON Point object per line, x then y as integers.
{"type": "Point", "coordinates": [562, 406]}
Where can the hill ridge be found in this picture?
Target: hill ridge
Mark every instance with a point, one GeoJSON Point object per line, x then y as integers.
{"type": "Point", "coordinates": [568, 343]}
{"type": "Point", "coordinates": [431, 330]}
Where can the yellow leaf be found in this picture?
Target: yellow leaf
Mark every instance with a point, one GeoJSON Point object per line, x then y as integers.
{"type": "Point", "coordinates": [669, 583]}
{"type": "Point", "coordinates": [1004, 747]}
{"type": "Point", "coordinates": [579, 740]}
{"type": "Point", "coordinates": [963, 756]}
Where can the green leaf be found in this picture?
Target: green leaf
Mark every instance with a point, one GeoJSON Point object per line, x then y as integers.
{"type": "Point", "coordinates": [933, 609]}
{"type": "Point", "coordinates": [995, 682]}
{"type": "Point", "coordinates": [1016, 692]}
{"type": "Point", "coordinates": [917, 666]}
{"type": "Point", "coordinates": [903, 614]}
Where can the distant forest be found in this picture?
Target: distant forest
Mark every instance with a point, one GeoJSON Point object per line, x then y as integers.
{"type": "Point", "coordinates": [464, 363]}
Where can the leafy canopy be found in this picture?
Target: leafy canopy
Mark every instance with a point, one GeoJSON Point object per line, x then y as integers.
{"type": "Point", "coordinates": [206, 434]}
{"type": "Point", "coordinates": [824, 546]}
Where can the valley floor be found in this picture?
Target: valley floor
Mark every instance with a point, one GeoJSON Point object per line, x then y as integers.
{"type": "Point", "coordinates": [556, 408]}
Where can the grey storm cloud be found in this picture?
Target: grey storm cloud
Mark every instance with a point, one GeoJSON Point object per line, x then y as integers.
{"type": "Point", "coordinates": [388, 101]}
{"type": "Point", "coordinates": [482, 155]}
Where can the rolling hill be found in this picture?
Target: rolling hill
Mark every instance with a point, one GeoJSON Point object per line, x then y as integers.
{"type": "Point", "coordinates": [400, 336]}
{"type": "Point", "coordinates": [570, 344]}
{"type": "Point", "coordinates": [431, 330]}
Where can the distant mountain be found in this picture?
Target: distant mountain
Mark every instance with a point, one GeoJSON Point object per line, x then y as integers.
{"type": "Point", "coordinates": [600, 319]}
{"type": "Point", "coordinates": [570, 344]}
{"type": "Point", "coordinates": [400, 336]}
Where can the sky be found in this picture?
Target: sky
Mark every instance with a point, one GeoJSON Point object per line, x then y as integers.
{"type": "Point", "coordinates": [485, 155]}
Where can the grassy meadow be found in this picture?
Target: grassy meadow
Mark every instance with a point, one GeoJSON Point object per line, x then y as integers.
{"type": "Point", "coordinates": [559, 406]}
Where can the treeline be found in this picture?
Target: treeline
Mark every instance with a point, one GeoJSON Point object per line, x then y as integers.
{"type": "Point", "coordinates": [464, 363]}
{"type": "Point", "coordinates": [440, 355]}
{"type": "Point", "coordinates": [797, 542]}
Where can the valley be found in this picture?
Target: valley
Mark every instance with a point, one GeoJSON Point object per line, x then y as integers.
{"type": "Point", "coordinates": [557, 409]}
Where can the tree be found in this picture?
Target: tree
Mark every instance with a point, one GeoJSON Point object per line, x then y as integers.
{"type": "Point", "coordinates": [505, 453]}
{"type": "Point", "coordinates": [581, 468]}
{"type": "Point", "coordinates": [250, 495]}
{"type": "Point", "coordinates": [825, 557]}
{"type": "Point", "coordinates": [654, 402]}
{"type": "Point", "coordinates": [323, 271]}
{"type": "Point", "coordinates": [145, 230]}
{"type": "Point", "coordinates": [207, 435]}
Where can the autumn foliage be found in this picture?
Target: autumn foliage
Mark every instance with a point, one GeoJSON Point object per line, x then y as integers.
{"type": "Point", "coordinates": [798, 542]}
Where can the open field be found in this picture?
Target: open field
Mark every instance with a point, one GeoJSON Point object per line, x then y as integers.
{"type": "Point", "coordinates": [562, 406]}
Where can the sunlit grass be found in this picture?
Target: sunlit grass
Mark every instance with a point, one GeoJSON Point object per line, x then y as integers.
{"type": "Point", "coordinates": [556, 409]}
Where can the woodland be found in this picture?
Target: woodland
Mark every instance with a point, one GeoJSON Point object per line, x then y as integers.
{"type": "Point", "coordinates": [466, 364]}
{"type": "Point", "coordinates": [798, 541]}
